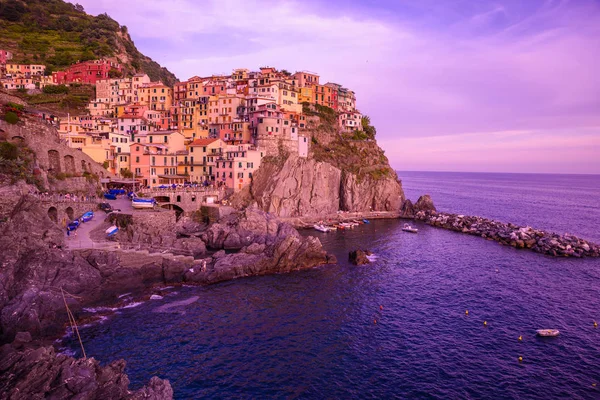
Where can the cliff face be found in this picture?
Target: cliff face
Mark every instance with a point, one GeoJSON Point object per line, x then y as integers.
{"type": "Point", "coordinates": [343, 172]}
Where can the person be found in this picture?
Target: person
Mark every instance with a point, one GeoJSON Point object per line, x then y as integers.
{"type": "Point", "coordinates": [68, 232]}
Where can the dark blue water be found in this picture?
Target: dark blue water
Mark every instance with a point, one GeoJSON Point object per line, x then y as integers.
{"type": "Point", "coordinates": [312, 334]}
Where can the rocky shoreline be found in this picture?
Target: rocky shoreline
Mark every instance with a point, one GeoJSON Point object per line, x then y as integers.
{"type": "Point", "coordinates": [513, 235]}
{"type": "Point", "coordinates": [35, 267]}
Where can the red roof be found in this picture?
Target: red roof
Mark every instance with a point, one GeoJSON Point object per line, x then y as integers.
{"type": "Point", "coordinates": [202, 142]}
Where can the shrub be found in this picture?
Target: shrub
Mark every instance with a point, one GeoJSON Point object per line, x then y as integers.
{"type": "Point", "coordinates": [9, 151]}
{"type": "Point", "coordinates": [11, 117]}
{"type": "Point", "coordinates": [15, 106]}
{"type": "Point", "coordinates": [55, 89]}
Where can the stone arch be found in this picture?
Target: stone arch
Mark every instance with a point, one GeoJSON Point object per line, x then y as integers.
{"type": "Point", "coordinates": [53, 214]}
{"type": "Point", "coordinates": [18, 138]}
{"type": "Point", "coordinates": [53, 161]}
{"type": "Point", "coordinates": [83, 166]}
{"type": "Point", "coordinates": [70, 213]}
{"type": "Point", "coordinates": [179, 198]}
{"type": "Point", "coordinates": [178, 210]}
{"type": "Point", "coordinates": [101, 174]}
{"type": "Point", "coordinates": [69, 163]}
{"type": "Point", "coordinates": [162, 199]}
{"type": "Point", "coordinates": [89, 167]}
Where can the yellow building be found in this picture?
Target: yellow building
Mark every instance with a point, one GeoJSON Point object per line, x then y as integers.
{"type": "Point", "coordinates": [201, 152]}
{"type": "Point", "coordinates": [156, 96]}
{"type": "Point", "coordinates": [307, 95]}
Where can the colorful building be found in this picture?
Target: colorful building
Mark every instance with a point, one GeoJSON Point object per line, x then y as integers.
{"type": "Point", "coordinates": [236, 166]}
{"type": "Point", "coordinates": [88, 72]}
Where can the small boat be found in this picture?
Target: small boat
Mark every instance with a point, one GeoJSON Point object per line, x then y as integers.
{"type": "Point", "coordinates": [548, 332]}
{"type": "Point", "coordinates": [112, 230]}
{"type": "Point", "coordinates": [72, 226]}
{"type": "Point", "coordinates": [110, 196]}
{"type": "Point", "coordinates": [139, 202]}
{"type": "Point", "coordinates": [87, 216]}
{"type": "Point", "coordinates": [321, 228]}
{"type": "Point", "coordinates": [366, 221]}
{"type": "Point", "coordinates": [408, 228]}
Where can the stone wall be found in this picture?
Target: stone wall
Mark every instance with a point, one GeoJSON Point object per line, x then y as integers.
{"type": "Point", "coordinates": [63, 212]}
{"type": "Point", "coordinates": [51, 154]}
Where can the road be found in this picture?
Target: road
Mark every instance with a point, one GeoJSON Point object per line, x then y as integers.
{"type": "Point", "coordinates": [80, 238]}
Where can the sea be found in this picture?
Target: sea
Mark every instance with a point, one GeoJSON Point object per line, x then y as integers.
{"type": "Point", "coordinates": [436, 315]}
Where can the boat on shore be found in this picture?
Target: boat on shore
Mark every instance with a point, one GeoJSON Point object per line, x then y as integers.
{"type": "Point", "coordinates": [111, 231]}
{"type": "Point", "coordinates": [408, 228]}
{"type": "Point", "coordinates": [138, 202]}
{"type": "Point", "coordinates": [87, 216]}
{"type": "Point", "coordinates": [321, 228]}
{"type": "Point", "coordinates": [548, 332]}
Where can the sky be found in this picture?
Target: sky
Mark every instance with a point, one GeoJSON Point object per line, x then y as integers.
{"type": "Point", "coordinates": [451, 85]}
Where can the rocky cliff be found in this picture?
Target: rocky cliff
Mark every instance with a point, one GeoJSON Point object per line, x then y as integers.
{"type": "Point", "coordinates": [343, 172]}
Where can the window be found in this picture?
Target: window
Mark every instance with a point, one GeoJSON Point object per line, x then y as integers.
{"type": "Point", "coordinates": [239, 165]}
{"type": "Point", "coordinates": [137, 148]}
{"type": "Point", "coordinates": [240, 175]}
{"type": "Point", "coordinates": [164, 139]}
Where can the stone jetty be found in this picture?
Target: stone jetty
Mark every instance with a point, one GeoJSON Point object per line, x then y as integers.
{"type": "Point", "coordinates": [512, 235]}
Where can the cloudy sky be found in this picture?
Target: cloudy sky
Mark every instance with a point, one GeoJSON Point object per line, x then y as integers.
{"type": "Point", "coordinates": [453, 85]}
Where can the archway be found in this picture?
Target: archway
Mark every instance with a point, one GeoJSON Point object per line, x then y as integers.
{"type": "Point", "coordinates": [179, 198]}
{"type": "Point", "coordinates": [69, 164]}
{"type": "Point", "coordinates": [178, 210]}
{"type": "Point", "coordinates": [53, 161]}
{"type": "Point", "coordinates": [70, 213]}
{"type": "Point", "coordinates": [162, 199]}
{"type": "Point", "coordinates": [53, 214]}
{"type": "Point", "coordinates": [83, 166]}
{"type": "Point", "coordinates": [18, 138]}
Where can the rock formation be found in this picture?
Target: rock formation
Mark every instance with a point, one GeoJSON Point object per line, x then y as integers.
{"type": "Point", "coordinates": [28, 371]}
{"type": "Point", "coordinates": [358, 257]}
{"type": "Point", "coordinates": [512, 235]}
{"type": "Point", "coordinates": [424, 203]}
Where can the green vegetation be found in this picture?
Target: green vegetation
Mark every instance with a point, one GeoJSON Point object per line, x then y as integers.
{"type": "Point", "coordinates": [92, 178]}
{"type": "Point", "coordinates": [55, 89]}
{"type": "Point", "coordinates": [16, 163]}
{"type": "Point", "coordinates": [126, 173]}
{"type": "Point", "coordinates": [62, 98]}
{"type": "Point", "coordinates": [11, 117]}
{"type": "Point", "coordinates": [368, 129]}
{"type": "Point", "coordinates": [57, 34]}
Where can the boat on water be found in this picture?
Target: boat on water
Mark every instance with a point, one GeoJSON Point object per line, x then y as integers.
{"type": "Point", "coordinates": [87, 216]}
{"type": "Point", "coordinates": [138, 202]}
{"type": "Point", "coordinates": [321, 228]}
{"type": "Point", "coordinates": [548, 332]}
{"type": "Point", "coordinates": [112, 230]}
{"type": "Point", "coordinates": [408, 228]}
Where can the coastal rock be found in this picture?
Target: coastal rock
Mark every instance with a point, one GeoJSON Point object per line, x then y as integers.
{"type": "Point", "coordinates": [509, 234]}
{"type": "Point", "coordinates": [424, 204]}
{"type": "Point", "coordinates": [305, 187]}
{"type": "Point", "coordinates": [407, 210]}
{"type": "Point", "coordinates": [41, 373]}
{"type": "Point", "coordinates": [358, 257]}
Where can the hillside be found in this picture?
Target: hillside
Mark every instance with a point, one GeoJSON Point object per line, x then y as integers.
{"type": "Point", "coordinates": [58, 34]}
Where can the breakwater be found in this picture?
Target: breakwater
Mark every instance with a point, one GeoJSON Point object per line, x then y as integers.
{"type": "Point", "coordinates": [513, 235]}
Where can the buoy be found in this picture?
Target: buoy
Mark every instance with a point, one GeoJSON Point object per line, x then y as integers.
{"type": "Point", "coordinates": [381, 307]}
{"type": "Point", "coordinates": [595, 324]}
{"type": "Point", "coordinates": [484, 323]}
{"type": "Point", "coordinates": [467, 312]}
{"type": "Point", "coordinates": [520, 359]}
{"type": "Point", "coordinates": [593, 384]}
{"type": "Point", "coordinates": [520, 337]}
{"type": "Point", "coordinates": [374, 321]}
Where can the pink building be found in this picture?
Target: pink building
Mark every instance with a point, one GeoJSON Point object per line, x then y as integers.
{"type": "Point", "coordinates": [266, 121]}
{"type": "Point", "coordinates": [5, 56]}
{"type": "Point", "coordinates": [152, 163]}
{"type": "Point", "coordinates": [236, 166]}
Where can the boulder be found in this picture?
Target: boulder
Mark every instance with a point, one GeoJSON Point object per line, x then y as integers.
{"type": "Point", "coordinates": [407, 210]}
{"type": "Point", "coordinates": [424, 204]}
{"type": "Point", "coordinates": [358, 257]}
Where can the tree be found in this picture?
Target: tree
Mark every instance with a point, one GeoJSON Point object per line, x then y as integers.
{"type": "Point", "coordinates": [12, 10]}
{"type": "Point", "coordinates": [126, 173]}
{"type": "Point", "coordinates": [79, 7]}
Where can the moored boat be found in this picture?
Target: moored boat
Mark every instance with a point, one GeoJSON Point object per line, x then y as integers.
{"type": "Point", "coordinates": [548, 332]}
{"type": "Point", "coordinates": [321, 228]}
{"type": "Point", "coordinates": [138, 202]}
{"type": "Point", "coordinates": [408, 228]}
